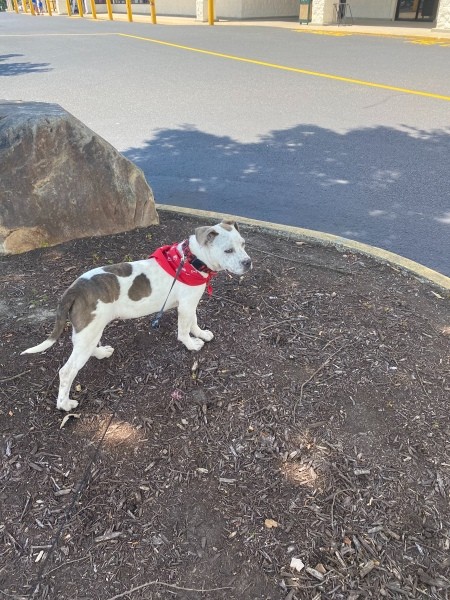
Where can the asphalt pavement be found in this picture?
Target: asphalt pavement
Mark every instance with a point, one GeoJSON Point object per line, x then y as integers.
{"type": "Point", "coordinates": [347, 134]}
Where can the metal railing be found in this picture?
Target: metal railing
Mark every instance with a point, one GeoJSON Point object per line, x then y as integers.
{"type": "Point", "coordinates": [80, 7]}
{"type": "Point", "coordinates": [343, 13]}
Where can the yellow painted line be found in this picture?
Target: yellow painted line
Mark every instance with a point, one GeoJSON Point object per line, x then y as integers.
{"type": "Point", "coordinates": [261, 63]}
{"type": "Point", "coordinates": [399, 36]}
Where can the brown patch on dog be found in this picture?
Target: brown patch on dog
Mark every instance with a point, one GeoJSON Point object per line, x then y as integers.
{"type": "Point", "coordinates": [140, 288]}
{"type": "Point", "coordinates": [121, 269]}
{"type": "Point", "coordinates": [228, 225]}
{"type": "Point", "coordinates": [86, 293]}
{"type": "Point", "coordinates": [205, 235]}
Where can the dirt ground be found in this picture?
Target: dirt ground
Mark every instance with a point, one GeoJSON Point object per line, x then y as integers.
{"type": "Point", "coordinates": [314, 427]}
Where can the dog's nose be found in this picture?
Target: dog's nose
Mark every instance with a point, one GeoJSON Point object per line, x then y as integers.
{"type": "Point", "coordinates": [247, 264]}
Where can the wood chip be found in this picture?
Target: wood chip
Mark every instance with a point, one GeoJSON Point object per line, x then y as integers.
{"type": "Point", "coordinates": [314, 573]}
{"type": "Point", "coordinates": [106, 537]}
{"type": "Point", "coordinates": [297, 564]}
{"type": "Point", "coordinates": [368, 567]}
{"type": "Point", "coordinates": [270, 523]}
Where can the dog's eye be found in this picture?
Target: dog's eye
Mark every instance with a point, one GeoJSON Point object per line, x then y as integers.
{"type": "Point", "coordinates": [229, 251]}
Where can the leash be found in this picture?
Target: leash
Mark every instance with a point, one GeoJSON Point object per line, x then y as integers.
{"type": "Point", "coordinates": [157, 319]}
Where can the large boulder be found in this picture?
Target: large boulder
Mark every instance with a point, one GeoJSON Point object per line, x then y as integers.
{"type": "Point", "coordinates": [60, 181]}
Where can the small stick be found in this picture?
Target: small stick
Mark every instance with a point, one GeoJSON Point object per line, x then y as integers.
{"type": "Point", "coordinates": [14, 376]}
{"type": "Point", "coordinates": [169, 585]}
{"type": "Point", "coordinates": [322, 366]}
{"type": "Point", "coordinates": [305, 262]}
{"type": "Point", "coordinates": [281, 322]}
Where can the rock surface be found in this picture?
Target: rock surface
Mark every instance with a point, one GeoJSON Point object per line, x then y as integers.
{"type": "Point", "coordinates": [60, 181]}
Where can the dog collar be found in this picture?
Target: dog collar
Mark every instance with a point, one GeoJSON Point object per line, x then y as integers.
{"type": "Point", "coordinates": [192, 272]}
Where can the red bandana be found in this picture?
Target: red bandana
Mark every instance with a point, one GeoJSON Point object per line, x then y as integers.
{"type": "Point", "coordinates": [169, 258]}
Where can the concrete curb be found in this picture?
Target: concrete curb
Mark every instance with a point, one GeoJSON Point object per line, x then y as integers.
{"type": "Point", "coordinates": [325, 239]}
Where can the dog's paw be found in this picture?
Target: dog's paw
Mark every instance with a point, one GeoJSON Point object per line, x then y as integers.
{"type": "Point", "coordinates": [196, 344]}
{"type": "Point", "coordinates": [66, 404]}
{"type": "Point", "coordinates": [205, 334]}
{"type": "Point", "coordinates": [103, 352]}
{"type": "Point", "coordinates": [192, 343]}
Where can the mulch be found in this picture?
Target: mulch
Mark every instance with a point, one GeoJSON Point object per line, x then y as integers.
{"type": "Point", "coordinates": [302, 454]}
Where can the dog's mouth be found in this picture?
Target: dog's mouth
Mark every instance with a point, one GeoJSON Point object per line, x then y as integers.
{"type": "Point", "coordinates": [244, 268]}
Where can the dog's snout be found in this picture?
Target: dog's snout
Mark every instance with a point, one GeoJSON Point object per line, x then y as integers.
{"type": "Point", "coordinates": [247, 264]}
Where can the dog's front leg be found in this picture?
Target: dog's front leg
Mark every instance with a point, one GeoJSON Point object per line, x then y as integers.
{"type": "Point", "coordinates": [186, 318]}
{"type": "Point", "coordinates": [203, 334]}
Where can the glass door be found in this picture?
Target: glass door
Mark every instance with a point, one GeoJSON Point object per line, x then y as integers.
{"type": "Point", "coordinates": [416, 10]}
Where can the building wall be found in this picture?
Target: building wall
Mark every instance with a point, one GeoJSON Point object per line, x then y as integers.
{"type": "Point", "coordinates": [367, 9]}
{"type": "Point", "coordinates": [265, 8]}
{"type": "Point", "coordinates": [323, 12]}
{"type": "Point", "coordinates": [443, 15]}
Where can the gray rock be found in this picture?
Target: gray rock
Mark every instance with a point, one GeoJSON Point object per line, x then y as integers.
{"type": "Point", "coordinates": [60, 181]}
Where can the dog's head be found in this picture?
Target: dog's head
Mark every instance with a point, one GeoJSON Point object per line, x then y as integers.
{"type": "Point", "coordinates": [221, 248]}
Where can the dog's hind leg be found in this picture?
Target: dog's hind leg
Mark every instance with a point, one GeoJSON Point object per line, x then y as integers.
{"type": "Point", "coordinates": [84, 346]}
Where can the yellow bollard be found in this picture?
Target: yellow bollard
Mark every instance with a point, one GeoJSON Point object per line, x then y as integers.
{"type": "Point", "coordinates": [49, 7]}
{"type": "Point", "coordinates": [69, 10]}
{"type": "Point", "coordinates": [153, 11]}
{"type": "Point", "coordinates": [211, 12]}
{"type": "Point", "coordinates": [16, 6]}
{"type": "Point", "coordinates": [25, 6]}
{"type": "Point", "coordinates": [80, 8]}
{"type": "Point", "coordinates": [109, 8]}
{"type": "Point", "coordinates": [32, 8]}
{"type": "Point", "coordinates": [129, 13]}
{"type": "Point", "coordinates": [93, 9]}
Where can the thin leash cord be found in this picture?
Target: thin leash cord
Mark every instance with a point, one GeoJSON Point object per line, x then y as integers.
{"type": "Point", "coordinates": [82, 484]}
{"type": "Point", "coordinates": [157, 319]}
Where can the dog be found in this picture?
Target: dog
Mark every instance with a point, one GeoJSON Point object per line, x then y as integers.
{"type": "Point", "coordinates": [173, 276]}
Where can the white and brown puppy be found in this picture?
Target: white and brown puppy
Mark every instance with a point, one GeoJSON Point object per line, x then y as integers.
{"type": "Point", "coordinates": [135, 289]}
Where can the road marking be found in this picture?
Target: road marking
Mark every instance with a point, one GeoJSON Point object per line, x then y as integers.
{"type": "Point", "coordinates": [430, 42]}
{"type": "Point", "coordinates": [319, 32]}
{"type": "Point", "coordinates": [350, 80]}
{"type": "Point", "coordinates": [409, 39]}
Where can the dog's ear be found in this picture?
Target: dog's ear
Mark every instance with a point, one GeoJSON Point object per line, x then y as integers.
{"type": "Point", "coordinates": [205, 235]}
{"type": "Point", "coordinates": [230, 225]}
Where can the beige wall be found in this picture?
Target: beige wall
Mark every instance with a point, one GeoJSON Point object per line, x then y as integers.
{"type": "Point", "coordinates": [322, 10]}
{"type": "Point", "coordinates": [443, 15]}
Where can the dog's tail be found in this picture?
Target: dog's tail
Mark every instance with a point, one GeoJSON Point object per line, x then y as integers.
{"type": "Point", "coordinates": [62, 313]}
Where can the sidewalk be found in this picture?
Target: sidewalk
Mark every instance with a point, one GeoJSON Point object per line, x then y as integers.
{"type": "Point", "coordinates": [359, 27]}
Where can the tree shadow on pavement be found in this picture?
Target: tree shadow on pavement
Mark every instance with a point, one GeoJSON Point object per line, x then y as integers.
{"type": "Point", "coordinates": [10, 69]}
{"type": "Point", "coordinates": [381, 186]}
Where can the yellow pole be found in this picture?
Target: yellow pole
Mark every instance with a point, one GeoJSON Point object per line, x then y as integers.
{"type": "Point", "coordinates": [49, 7]}
{"type": "Point", "coordinates": [211, 12]}
{"type": "Point", "coordinates": [93, 9]}
{"type": "Point", "coordinates": [25, 6]}
{"type": "Point", "coordinates": [153, 11]}
{"type": "Point", "coordinates": [16, 6]}
{"type": "Point", "coordinates": [32, 8]}
{"type": "Point", "coordinates": [80, 8]}
{"type": "Point", "coordinates": [109, 7]}
{"type": "Point", "coordinates": [69, 10]}
{"type": "Point", "coordinates": [129, 13]}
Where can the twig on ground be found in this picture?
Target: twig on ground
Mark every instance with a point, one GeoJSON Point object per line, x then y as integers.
{"type": "Point", "coordinates": [14, 376]}
{"type": "Point", "coordinates": [322, 366]}
{"type": "Point", "coordinates": [281, 322]}
{"type": "Point", "coordinates": [304, 262]}
{"type": "Point", "coordinates": [169, 585]}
